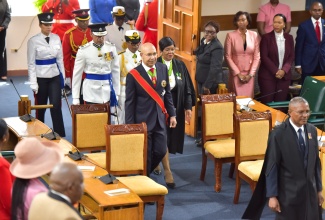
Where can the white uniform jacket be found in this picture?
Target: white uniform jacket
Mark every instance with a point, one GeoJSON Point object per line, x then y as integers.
{"type": "Point", "coordinates": [117, 37]}
{"type": "Point", "coordinates": [96, 64]}
{"type": "Point", "coordinates": [38, 51]}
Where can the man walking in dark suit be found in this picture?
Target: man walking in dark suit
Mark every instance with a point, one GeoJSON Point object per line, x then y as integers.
{"type": "Point", "coordinates": [148, 99]}
{"type": "Point", "coordinates": [291, 174]}
{"type": "Point", "coordinates": [310, 44]}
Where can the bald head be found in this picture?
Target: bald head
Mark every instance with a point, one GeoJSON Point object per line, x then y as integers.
{"type": "Point", "coordinates": [316, 10]}
{"type": "Point", "coordinates": [67, 179]}
{"type": "Point", "coordinates": [148, 54]}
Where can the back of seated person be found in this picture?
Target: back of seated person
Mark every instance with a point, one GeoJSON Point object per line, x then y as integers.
{"type": "Point", "coordinates": [33, 160]}
{"type": "Point", "coordinates": [66, 189]}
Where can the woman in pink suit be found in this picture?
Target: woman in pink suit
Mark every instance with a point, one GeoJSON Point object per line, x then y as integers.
{"type": "Point", "coordinates": [277, 55]}
{"type": "Point", "coordinates": [242, 54]}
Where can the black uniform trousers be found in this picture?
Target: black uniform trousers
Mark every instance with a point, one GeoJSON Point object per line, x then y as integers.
{"type": "Point", "coordinates": [50, 88]}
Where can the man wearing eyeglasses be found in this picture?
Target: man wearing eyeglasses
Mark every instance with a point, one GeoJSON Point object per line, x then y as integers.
{"type": "Point", "coordinates": [129, 59]}
{"type": "Point", "coordinates": [149, 100]}
{"type": "Point", "coordinates": [99, 60]}
{"type": "Point", "coordinates": [116, 31]}
{"type": "Point", "coordinates": [291, 174]}
{"type": "Point", "coordinates": [310, 44]}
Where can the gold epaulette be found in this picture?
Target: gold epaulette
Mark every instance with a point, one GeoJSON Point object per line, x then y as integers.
{"type": "Point", "coordinates": [121, 52]}
{"type": "Point", "coordinates": [71, 29]}
{"type": "Point", "coordinates": [84, 46]}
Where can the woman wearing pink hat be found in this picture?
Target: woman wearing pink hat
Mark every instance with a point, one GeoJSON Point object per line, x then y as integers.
{"type": "Point", "coordinates": [6, 178]}
{"type": "Point", "coordinates": [33, 160]}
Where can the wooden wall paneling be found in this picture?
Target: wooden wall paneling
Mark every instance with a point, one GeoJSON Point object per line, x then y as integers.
{"type": "Point", "coordinates": [168, 9]}
{"type": "Point", "coordinates": [185, 4]}
{"type": "Point", "coordinates": [187, 33]}
{"type": "Point", "coordinates": [172, 32]}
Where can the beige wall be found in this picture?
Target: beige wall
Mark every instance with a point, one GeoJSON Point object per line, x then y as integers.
{"type": "Point", "coordinates": [18, 32]}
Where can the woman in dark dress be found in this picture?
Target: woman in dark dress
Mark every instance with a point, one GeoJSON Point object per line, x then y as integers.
{"type": "Point", "coordinates": [277, 55]}
{"type": "Point", "coordinates": [183, 94]}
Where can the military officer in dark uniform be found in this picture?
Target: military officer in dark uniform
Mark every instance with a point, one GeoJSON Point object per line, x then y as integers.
{"type": "Point", "coordinates": [72, 40]}
{"type": "Point", "coordinates": [46, 70]}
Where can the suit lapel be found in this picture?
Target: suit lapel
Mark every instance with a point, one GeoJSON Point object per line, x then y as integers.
{"type": "Point", "coordinates": [311, 150]}
{"type": "Point", "coordinates": [312, 29]}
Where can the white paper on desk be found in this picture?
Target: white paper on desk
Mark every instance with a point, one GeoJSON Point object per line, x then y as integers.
{"type": "Point", "coordinates": [245, 101]}
{"type": "Point", "coordinates": [116, 192]}
{"type": "Point", "coordinates": [87, 168]}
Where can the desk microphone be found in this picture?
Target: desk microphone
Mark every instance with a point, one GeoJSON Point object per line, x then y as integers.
{"type": "Point", "coordinates": [248, 109]}
{"type": "Point", "coordinates": [27, 117]}
{"type": "Point", "coordinates": [76, 155]}
{"type": "Point", "coordinates": [51, 135]}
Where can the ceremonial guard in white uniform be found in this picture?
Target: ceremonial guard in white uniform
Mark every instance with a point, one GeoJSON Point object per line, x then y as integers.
{"type": "Point", "coordinates": [129, 59]}
{"type": "Point", "coordinates": [99, 60]}
{"type": "Point", "coordinates": [46, 71]}
{"type": "Point", "coordinates": [116, 31]}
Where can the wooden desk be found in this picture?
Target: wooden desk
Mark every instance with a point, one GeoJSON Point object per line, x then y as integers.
{"type": "Point", "coordinates": [321, 78]}
{"type": "Point", "coordinates": [19, 129]}
{"type": "Point", "coordinates": [127, 206]}
{"type": "Point", "coordinates": [104, 207]}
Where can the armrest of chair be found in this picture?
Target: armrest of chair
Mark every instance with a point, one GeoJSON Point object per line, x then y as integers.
{"type": "Point", "coordinates": [9, 153]}
{"type": "Point", "coordinates": [278, 104]}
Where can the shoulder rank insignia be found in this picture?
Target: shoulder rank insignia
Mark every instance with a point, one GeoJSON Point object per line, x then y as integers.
{"type": "Point", "coordinates": [84, 46]}
{"type": "Point", "coordinates": [70, 30]}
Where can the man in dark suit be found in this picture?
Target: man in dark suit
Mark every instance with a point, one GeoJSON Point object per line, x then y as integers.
{"type": "Point", "coordinates": [141, 106]}
{"type": "Point", "coordinates": [310, 44]}
{"type": "Point", "coordinates": [291, 174]}
{"type": "Point", "coordinates": [66, 188]}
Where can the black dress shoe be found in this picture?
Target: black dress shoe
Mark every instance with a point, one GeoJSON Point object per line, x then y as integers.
{"type": "Point", "coordinates": [150, 203]}
{"type": "Point", "coordinates": [171, 185]}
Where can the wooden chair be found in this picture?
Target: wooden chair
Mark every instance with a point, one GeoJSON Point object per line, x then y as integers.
{"type": "Point", "coordinates": [126, 154]}
{"type": "Point", "coordinates": [88, 132]}
{"type": "Point", "coordinates": [251, 134]}
{"type": "Point", "coordinates": [218, 133]}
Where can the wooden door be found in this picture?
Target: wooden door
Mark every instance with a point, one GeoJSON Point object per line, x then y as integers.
{"type": "Point", "coordinates": [180, 19]}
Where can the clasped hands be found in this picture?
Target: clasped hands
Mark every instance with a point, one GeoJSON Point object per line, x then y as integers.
{"type": "Point", "coordinates": [243, 78]}
{"type": "Point", "coordinates": [279, 74]}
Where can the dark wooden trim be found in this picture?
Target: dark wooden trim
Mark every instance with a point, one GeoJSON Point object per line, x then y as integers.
{"type": "Point", "coordinates": [17, 72]}
{"type": "Point", "coordinates": [226, 21]}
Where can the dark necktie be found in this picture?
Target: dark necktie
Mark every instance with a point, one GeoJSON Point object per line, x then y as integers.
{"type": "Point", "coordinates": [317, 29]}
{"type": "Point", "coordinates": [47, 39]}
{"type": "Point", "coordinates": [301, 142]}
{"type": "Point", "coordinates": [120, 28]}
{"type": "Point", "coordinates": [153, 77]}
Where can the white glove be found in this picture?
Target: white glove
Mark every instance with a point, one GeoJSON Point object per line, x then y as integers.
{"type": "Point", "coordinates": [68, 82]}
{"type": "Point", "coordinates": [75, 101]}
{"type": "Point", "coordinates": [34, 87]}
